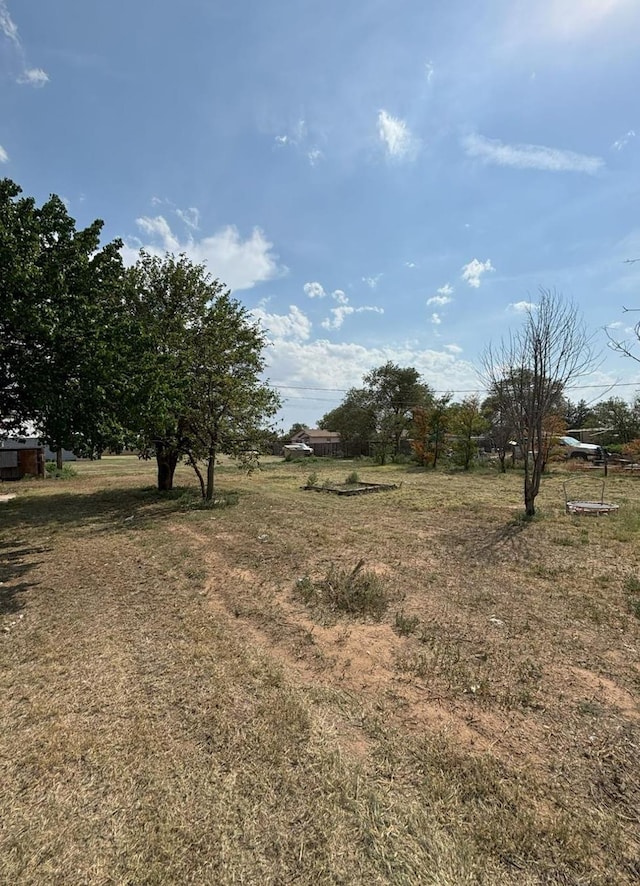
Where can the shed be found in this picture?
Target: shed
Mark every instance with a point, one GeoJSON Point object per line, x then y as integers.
{"type": "Point", "coordinates": [19, 460]}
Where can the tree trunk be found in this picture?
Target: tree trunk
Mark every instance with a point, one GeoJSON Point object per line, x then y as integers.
{"type": "Point", "coordinates": [167, 460]}
{"type": "Point", "coordinates": [59, 458]}
{"type": "Point", "coordinates": [502, 455]}
{"type": "Point", "coordinates": [211, 467]}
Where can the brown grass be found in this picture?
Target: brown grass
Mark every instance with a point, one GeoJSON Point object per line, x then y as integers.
{"type": "Point", "coordinates": [172, 712]}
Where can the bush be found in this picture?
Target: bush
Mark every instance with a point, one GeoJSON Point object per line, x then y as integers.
{"type": "Point", "coordinates": [357, 592]}
{"type": "Point", "coordinates": [352, 479]}
{"type": "Point", "coordinates": [312, 479]}
{"type": "Point", "coordinates": [66, 472]}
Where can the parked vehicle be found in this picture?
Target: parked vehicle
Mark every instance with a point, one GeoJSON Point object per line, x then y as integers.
{"type": "Point", "coordinates": [296, 450]}
{"type": "Point", "coordinates": [586, 451]}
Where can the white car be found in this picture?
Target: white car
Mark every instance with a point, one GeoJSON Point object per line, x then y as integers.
{"type": "Point", "coordinates": [293, 449]}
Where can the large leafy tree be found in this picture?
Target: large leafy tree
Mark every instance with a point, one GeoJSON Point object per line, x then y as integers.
{"type": "Point", "coordinates": [60, 320]}
{"type": "Point", "coordinates": [198, 360]}
{"type": "Point", "coordinates": [393, 392]}
{"type": "Point", "coordinates": [620, 418]}
{"type": "Point", "coordinates": [354, 419]}
{"type": "Point", "coordinates": [528, 372]}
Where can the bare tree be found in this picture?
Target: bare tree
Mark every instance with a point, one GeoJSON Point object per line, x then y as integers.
{"type": "Point", "coordinates": [528, 372]}
{"type": "Point", "coordinates": [624, 346]}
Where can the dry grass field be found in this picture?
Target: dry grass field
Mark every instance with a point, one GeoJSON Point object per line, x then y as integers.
{"type": "Point", "coordinates": [185, 698]}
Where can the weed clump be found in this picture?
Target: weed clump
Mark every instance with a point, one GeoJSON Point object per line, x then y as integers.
{"type": "Point", "coordinates": [357, 592]}
{"type": "Point", "coordinates": [406, 624]}
{"type": "Point", "coordinates": [352, 479]}
{"type": "Point", "coordinates": [66, 472]}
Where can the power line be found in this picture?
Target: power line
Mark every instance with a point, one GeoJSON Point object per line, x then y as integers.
{"type": "Point", "coordinates": [609, 385]}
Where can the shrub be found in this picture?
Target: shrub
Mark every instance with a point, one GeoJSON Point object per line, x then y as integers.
{"type": "Point", "coordinates": [406, 624]}
{"type": "Point", "coordinates": [66, 472]}
{"type": "Point", "coordinates": [357, 592]}
{"type": "Point", "coordinates": [312, 479]}
{"type": "Point", "coordinates": [352, 479]}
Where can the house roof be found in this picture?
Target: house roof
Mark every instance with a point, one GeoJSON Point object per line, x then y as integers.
{"type": "Point", "coordinates": [316, 433]}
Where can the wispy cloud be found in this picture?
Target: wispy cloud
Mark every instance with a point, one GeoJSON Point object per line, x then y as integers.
{"type": "Point", "coordinates": [238, 263]}
{"type": "Point", "coordinates": [4, 157]}
{"type": "Point", "coordinates": [190, 217]}
{"type": "Point", "coordinates": [429, 71]}
{"type": "Point", "coordinates": [436, 319]}
{"type": "Point", "coordinates": [398, 141]}
{"type": "Point", "coordinates": [33, 77]}
{"type": "Point", "coordinates": [443, 297]}
{"type": "Point", "coordinates": [8, 26]}
{"type": "Point", "coordinates": [298, 137]}
{"type": "Point", "coordinates": [621, 143]}
{"type": "Point", "coordinates": [344, 310]}
{"type": "Point", "coordinates": [523, 307]}
{"type": "Point", "coordinates": [529, 156]}
{"type": "Point", "coordinates": [372, 282]}
{"type": "Point", "coordinates": [453, 349]}
{"type": "Point", "coordinates": [27, 76]}
{"type": "Point", "coordinates": [473, 271]}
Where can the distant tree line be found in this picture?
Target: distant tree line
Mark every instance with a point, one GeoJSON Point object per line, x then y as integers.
{"type": "Point", "coordinates": [97, 356]}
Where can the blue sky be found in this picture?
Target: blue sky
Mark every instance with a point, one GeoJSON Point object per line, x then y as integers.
{"type": "Point", "coordinates": [376, 179]}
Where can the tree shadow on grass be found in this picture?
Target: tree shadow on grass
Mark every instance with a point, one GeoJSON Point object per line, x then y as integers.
{"type": "Point", "coordinates": [109, 510]}
{"type": "Point", "coordinates": [489, 543]}
{"type": "Point", "coordinates": [15, 562]}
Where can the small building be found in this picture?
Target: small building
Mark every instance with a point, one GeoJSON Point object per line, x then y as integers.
{"type": "Point", "coordinates": [323, 443]}
{"type": "Point", "coordinates": [31, 442]}
{"type": "Point", "coordinates": [19, 459]}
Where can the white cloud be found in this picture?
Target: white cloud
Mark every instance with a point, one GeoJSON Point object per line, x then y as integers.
{"type": "Point", "coordinates": [396, 136]}
{"type": "Point", "coordinates": [372, 282]}
{"type": "Point", "coordinates": [340, 296]}
{"type": "Point", "coordinates": [621, 143]}
{"type": "Point", "coordinates": [345, 310]}
{"type": "Point", "coordinates": [294, 325]}
{"type": "Point", "coordinates": [190, 217]}
{"type": "Point", "coordinates": [237, 263]}
{"type": "Point", "coordinates": [4, 157]}
{"type": "Point", "coordinates": [436, 319]}
{"type": "Point", "coordinates": [429, 71]}
{"type": "Point", "coordinates": [338, 315]}
{"type": "Point", "coordinates": [474, 271]}
{"type": "Point", "coordinates": [34, 77]}
{"type": "Point", "coordinates": [314, 290]}
{"type": "Point", "coordinates": [7, 25]}
{"type": "Point", "coordinates": [314, 155]}
{"type": "Point", "coordinates": [410, 264]}
{"type": "Point", "coordinates": [344, 363]}
{"type": "Point", "coordinates": [30, 76]}
{"type": "Point", "coordinates": [615, 325]}
{"type": "Point", "coordinates": [453, 349]}
{"type": "Point", "coordinates": [443, 297]}
{"type": "Point", "coordinates": [530, 156]}
{"type": "Point", "coordinates": [523, 307]}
